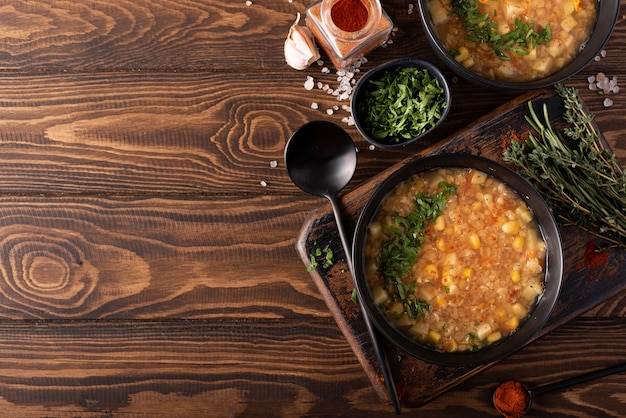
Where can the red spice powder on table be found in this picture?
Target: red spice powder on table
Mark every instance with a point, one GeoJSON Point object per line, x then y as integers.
{"type": "Point", "coordinates": [593, 256]}
{"type": "Point", "coordinates": [349, 15]}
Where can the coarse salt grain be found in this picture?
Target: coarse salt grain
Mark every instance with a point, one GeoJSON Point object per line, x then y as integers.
{"type": "Point", "coordinates": [309, 83]}
{"type": "Point", "coordinates": [248, 3]}
{"type": "Point", "coordinates": [607, 102]}
{"type": "Point", "coordinates": [314, 105]}
{"type": "Point", "coordinates": [273, 164]}
{"type": "Point", "coordinates": [264, 184]}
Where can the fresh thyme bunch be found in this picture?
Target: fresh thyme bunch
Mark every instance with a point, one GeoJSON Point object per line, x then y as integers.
{"type": "Point", "coordinates": [580, 179]}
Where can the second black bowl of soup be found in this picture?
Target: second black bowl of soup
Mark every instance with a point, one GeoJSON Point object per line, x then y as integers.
{"type": "Point", "coordinates": [459, 258]}
{"type": "Point", "coordinates": [518, 44]}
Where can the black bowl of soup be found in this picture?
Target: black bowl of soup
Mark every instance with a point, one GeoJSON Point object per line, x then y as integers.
{"type": "Point", "coordinates": [518, 44]}
{"type": "Point", "coordinates": [458, 260]}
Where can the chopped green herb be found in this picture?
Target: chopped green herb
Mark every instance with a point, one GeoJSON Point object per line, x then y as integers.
{"type": "Point", "coordinates": [354, 297]}
{"type": "Point", "coordinates": [482, 29]}
{"type": "Point", "coordinates": [401, 248]}
{"type": "Point", "coordinates": [402, 104]}
{"type": "Point", "coordinates": [325, 256]}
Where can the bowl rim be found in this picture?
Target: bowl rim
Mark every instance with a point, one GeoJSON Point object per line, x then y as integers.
{"type": "Point", "coordinates": [389, 65]}
{"type": "Point", "coordinates": [553, 271]}
{"type": "Point", "coordinates": [607, 9]}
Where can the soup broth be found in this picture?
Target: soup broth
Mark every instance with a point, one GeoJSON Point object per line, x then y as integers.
{"type": "Point", "coordinates": [479, 269]}
{"type": "Point", "coordinates": [516, 40]}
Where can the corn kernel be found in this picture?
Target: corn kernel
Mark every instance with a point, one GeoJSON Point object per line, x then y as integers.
{"type": "Point", "coordinates": [396, 308]}
{"type": "Point", "coordinates": [466, 272]}
{"type": "Point", "coordinates": [494, 336]}
{"type": "Point", "coordinates": [433, 336]}
{"type": "Point", "coordinates": [441, 244]}
{"type": "Point", "coordinates": [511, 227]}
{"type": "Point", "coordinates": [515, 276]}
{"type": "Point", "coordinates": [450, 345]}
{"type": "Point", "coordinates": [519, 310]}
{"type": "Point", "coordinates": [440, 223]}
{"type": "Point", "coordinates": [518, 243]}
{"type": "Point", "coordinates": [500, 314]}
{"type": "Point", "coordinates": [474, 240]}
{"type": "Point", "coordinates": [511, 324]}
{"type": "Point", "coordinates": [441, 302]}
{"type": "Point", "coordinates": [431, 270]}
{"type": "Point", "coordinates": [462, 55]}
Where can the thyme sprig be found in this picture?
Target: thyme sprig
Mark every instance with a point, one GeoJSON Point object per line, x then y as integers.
{"type": "Point", "coordinates": [400, 250]}
{"type": "Point", "coordinates": [482, 29]}
{"type": "Point", "coordinates": [580, 179]}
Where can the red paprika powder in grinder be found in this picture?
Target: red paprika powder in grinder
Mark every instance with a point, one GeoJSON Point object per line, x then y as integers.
{"type": "Point", "coordinates": [348, 29]}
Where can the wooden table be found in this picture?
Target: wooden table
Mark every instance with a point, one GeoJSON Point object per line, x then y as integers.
{"type": "Point", "coordinates": [147, 242]}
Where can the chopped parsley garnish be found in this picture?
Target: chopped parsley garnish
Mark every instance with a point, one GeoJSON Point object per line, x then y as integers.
{"type": "Point", "coordinates": [320, 255]}
{"type": "Point", "coordinates": [401, 248]}
{"type": "Point", "coordinates": [482, 29]}
{"type": "Point", "coordinates": [402, 104]}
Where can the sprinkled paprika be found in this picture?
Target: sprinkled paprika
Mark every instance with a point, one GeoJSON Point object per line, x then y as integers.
{"type": "Point", "coordinates": [349, 15]}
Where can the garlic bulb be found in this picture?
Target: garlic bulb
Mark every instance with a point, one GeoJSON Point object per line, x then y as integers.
{"type": "Point", "coordinates": [300, 49]}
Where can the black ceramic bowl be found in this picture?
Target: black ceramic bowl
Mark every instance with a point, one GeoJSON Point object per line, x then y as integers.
{"type": "Point", "coordinates": [553, 269]}
{"type": "Point", "coordinates": [376, 73]}
{"type": "Point", "coordinates": [608, 11]}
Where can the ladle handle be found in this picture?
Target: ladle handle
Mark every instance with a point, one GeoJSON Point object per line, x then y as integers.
{"type": "Point", "coordinates": [579, 379]}
{"type": "Point", "coordinates": [373, 332]}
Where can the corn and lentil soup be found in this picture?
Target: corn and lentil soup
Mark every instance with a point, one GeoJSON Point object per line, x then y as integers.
{"type": "Point", "coordinates": [513, 40]}
{"type": "Point", "coordinates": [479, 269]}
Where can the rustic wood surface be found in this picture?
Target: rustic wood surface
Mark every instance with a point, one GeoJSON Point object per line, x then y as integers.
{"type": "Point", "coordinates": [148, 263]}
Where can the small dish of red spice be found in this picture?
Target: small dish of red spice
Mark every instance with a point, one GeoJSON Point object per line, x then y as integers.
{"type": "Point", "coordinates": [512, 399]}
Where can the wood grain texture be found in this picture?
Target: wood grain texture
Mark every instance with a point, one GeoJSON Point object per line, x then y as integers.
{"type": "Point", "coordinates": [151, 258]}
{"type": "Point", "coordinates": [144, 268]}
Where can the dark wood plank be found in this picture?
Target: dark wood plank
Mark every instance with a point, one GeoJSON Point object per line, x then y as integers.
{"type": "Point", "coordinates": [166, 133]}
{"type": "Point", "coordinates": [153, 258]}
{"type": "Point", "coordinates": [230, 368]}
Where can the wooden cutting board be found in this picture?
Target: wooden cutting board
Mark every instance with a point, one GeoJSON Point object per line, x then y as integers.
{"type": "Point", "coordinates": [588, 280]}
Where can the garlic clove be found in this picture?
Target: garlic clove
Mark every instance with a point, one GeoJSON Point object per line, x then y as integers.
{"type": "Point", "coordinates": [300, 48]}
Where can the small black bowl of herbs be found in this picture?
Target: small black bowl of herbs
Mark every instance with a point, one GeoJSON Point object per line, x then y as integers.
{"type": "Point", "coordinates": [399, 102]}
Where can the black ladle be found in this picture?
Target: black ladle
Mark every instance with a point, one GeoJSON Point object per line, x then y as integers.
{"type": "Point", "coordinates": [540, 390]}
{"type": "Point", "coordinates": [320, 158]}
